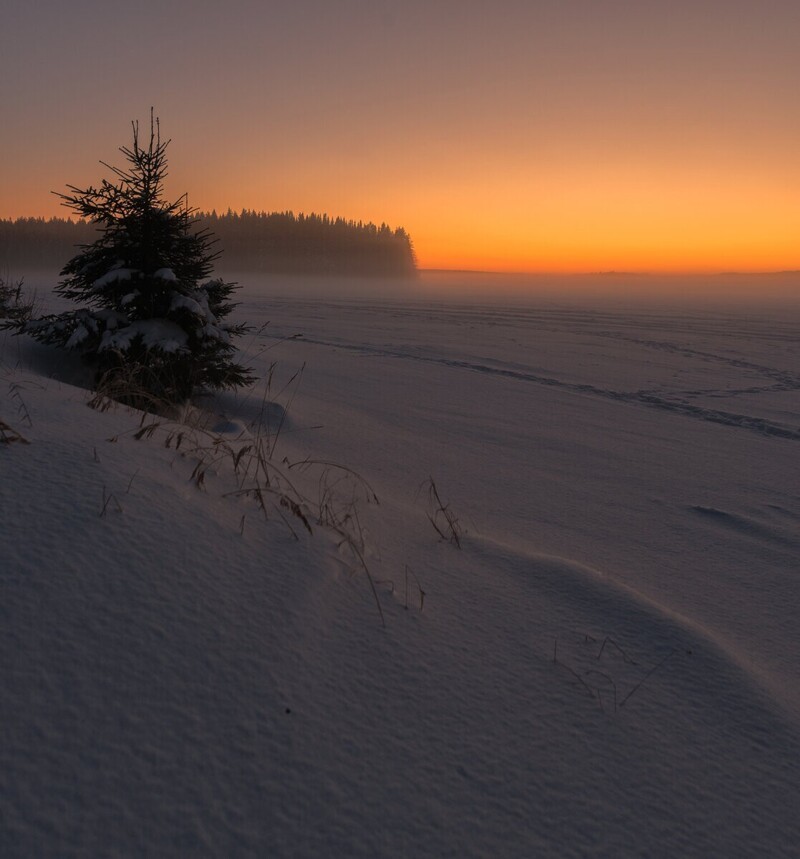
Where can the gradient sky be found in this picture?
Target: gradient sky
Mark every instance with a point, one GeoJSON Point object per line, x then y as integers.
{"type": "Point", "coordinates": [568, 135]}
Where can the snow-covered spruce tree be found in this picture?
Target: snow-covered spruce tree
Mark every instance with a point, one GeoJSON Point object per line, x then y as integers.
{"type": "Point", "coordinates": [154, 325]}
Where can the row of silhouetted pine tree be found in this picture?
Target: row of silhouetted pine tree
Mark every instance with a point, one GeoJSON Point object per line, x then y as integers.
{"type": "Point", "coordinates": [275, 242]}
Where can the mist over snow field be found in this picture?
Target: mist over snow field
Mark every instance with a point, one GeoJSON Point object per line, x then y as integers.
{"type": "Point", "coordinates": [607, 664]}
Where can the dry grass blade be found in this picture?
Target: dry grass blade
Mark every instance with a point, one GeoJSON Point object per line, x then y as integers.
{"type": "Point", "coordinates": [22, 409]}
{"type": "Point", "coordinates": [8, 435]}
{"type": "Point", "coordinates": [613, 643]}
{"type": "Point", "coordinates": [578, 678]}
{"type": "Point", "coordinates": [347, 540]}
{"type": "Point", "coordinates": [409, 571]}
{"type": "Point", "coordinates": [651, 671]}
{"type": "Point", "coordinates": [237, 457]}
{"type": "Point", "coordinates": [107, 499]}
{"type": "Point", "coordinates": [439, 514]}
{"type": "Point", "coordinates": [146, 431]}
{"type": "Point", "coordinates": [305, 464]}
{"type": "Point", "coordinates": [298, 376]}
{"type": "Point", "coordinates": [609, 679]}
{"type": "Point", "coordinates": [199, 475]}
{"type": "Point", "coordinates": [294, 507]}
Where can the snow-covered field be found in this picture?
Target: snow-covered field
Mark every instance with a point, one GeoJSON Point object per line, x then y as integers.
{"type": "Point", "coordinates": [607, 665]}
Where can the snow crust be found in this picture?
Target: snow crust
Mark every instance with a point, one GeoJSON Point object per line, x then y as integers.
{"type": "Point", "coordinates": [212, 330]}
{"type": "Point", "coordinates": [116, 274]}
{"type": "Point", "coordinates": [606, 667]}
{"type": "Point", "coordinates": [77, 337]}
{"type": "Point", "coordinates": [178, 301]}
{"type": "Point", "coordinates": [155, 333]}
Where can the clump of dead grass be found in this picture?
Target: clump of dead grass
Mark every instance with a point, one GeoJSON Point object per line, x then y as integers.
{"type": "Point", "coordinates": [329, 497]}
{"type": "Point", "coordinates": [612, 681]}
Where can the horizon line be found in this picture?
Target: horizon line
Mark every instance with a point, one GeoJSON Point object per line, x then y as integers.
{"type": "Point", "coordinates": [519, 272]}
{"type": "Point", "coordinates": [611, 273]}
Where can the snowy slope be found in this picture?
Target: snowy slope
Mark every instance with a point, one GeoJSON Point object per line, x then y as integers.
{"type": "Point", "coordinates": [606, 667]}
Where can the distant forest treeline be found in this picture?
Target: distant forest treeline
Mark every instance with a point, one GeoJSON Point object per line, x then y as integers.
{"type": "Point", "coordinates": [275, 242]}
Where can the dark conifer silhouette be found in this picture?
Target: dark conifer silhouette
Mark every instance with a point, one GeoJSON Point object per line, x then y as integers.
{"type": "Point", "coordinates": [311, 244]}
{"type": "Point", "coordinates": [270, 242]}
{"type": "Point", "coordinates": [154, 327]}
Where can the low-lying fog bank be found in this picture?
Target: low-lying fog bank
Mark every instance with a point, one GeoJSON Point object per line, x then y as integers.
{"type": "Point", "coordinates": [761, 294]}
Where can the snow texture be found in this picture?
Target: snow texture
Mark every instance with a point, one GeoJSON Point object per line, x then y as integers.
{"type": "Point", "coordinates": [77, 337]}
{"type": "Point", "coordinates": [116, 274]}
{"type": "Point", "coordinates": [178, 301]}
{"type": "Point", "coordinates": [155, 333]}
{"type": "Point", "coordinates": [606, 667]}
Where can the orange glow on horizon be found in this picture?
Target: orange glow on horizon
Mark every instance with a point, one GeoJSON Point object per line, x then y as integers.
{"type": "Point", "coordinates": [699, 240]}
{"type": "Point", "coordinates": [565, 220]}
{"type": "Point", "coordinates": [567, 215]}
{"type": "Point", "coordinates": [641, 137]}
